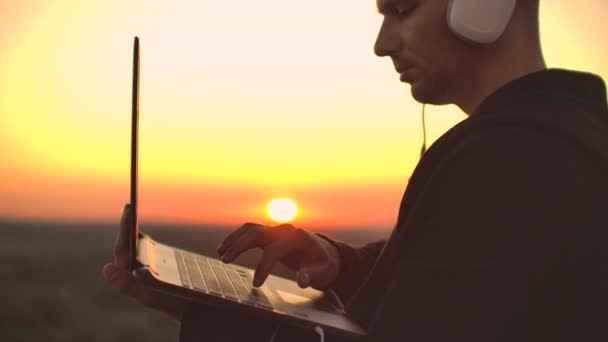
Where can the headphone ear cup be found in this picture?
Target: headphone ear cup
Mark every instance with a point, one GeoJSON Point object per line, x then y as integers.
{"type": "Point", "coordinates": [479, 21]}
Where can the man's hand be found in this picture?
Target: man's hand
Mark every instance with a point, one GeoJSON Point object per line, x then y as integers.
{"type": "Point", "coordinates": [118, 275]}
{"type": "Point", "coordinates": [316, 260]}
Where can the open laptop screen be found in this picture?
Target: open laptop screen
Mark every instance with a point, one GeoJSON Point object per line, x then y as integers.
{"type": "Point", "coordinates": [133, 229]}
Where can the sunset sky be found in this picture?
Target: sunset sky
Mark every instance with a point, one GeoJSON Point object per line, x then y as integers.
{"type": "Point", "coordinates": [241, 102]}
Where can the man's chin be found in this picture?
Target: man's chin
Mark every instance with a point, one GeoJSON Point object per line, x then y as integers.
{"type": "Point", "coordinates": [427, 95]}
{"type": "Point", "coordinates": [419, 93]}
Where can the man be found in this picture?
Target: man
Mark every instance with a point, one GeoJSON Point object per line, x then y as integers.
{"type": "Point", "coordinates": [501, 231]}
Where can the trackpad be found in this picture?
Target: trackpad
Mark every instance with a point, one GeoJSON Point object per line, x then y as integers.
{"type": "Point", "coordinates": [294, 299]}
{"type": "Point", "coordinates": [315, 301]}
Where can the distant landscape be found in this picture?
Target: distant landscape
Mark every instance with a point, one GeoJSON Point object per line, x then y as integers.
{"type": "Point", "coordinates": [54, 290]}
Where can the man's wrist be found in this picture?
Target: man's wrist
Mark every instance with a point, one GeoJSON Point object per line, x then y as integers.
{"type": "Point", "coordinates": [335, 258]}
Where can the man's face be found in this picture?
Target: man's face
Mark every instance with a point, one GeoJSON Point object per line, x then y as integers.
{"type": "Point", "coordinates": [415, 35]}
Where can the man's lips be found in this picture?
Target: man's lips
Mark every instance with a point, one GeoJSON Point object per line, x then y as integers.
{"type": "Point", "coordinates": [405, 72]}
{"type": "Point", "coordinates": [402, 69]}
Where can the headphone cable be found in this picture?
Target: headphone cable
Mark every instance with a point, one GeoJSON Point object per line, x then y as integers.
{"type": "Point", "coordinates": [423, 149]}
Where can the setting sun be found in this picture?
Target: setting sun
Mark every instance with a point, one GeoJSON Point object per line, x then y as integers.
{"type": "Point", "coordinates": [282, 209]}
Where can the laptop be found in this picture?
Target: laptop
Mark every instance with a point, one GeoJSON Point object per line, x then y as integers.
{"type": "Point", "coordinates": [209, 281]}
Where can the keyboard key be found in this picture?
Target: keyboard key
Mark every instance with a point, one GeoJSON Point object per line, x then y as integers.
{"type": "Point", "coordinates": [213, 276]}
{"type": "Point", "coordinates": [224, 282]}
{"type": "Point", "coordinates": [181, 267]}
{"type": "Point", "coordinates": [212, 284]}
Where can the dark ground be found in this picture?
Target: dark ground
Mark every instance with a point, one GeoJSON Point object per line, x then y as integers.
{"type": "Point", "coordinates": [53, 290]}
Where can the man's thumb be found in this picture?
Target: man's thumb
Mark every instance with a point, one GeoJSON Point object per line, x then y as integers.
{"type": "Point", "coordinates": [303, 278]}
{"type": "Point", "coordinates": [113, 275]}
{"type": "Point", "coordinates": [311, 276]}
{"type": "Point", "coordinates": [119, 279]}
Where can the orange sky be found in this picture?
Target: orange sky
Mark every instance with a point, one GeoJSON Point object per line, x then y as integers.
{"type": "Point", "coordinates": [241, 102]}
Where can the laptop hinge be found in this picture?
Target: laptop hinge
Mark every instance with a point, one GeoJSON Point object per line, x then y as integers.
{"type": "Point", "coordinates": [145, 253]}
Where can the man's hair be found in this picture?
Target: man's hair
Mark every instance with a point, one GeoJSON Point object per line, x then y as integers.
{"type": "Point", "coordinates": [531, 6]}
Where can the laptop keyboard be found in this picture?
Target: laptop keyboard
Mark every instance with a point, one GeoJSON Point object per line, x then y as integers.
{"type": "Point", "coordinates": [213, 277]}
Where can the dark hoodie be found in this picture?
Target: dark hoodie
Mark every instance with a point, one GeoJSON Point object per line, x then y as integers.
{"type": "Point", "coordinates": [503, 229]}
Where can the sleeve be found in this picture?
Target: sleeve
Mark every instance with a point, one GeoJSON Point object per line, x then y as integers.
{"type": "Point", "coordinates": [355, 264]}
{"type": "Point", "coordinates": [481, 259]}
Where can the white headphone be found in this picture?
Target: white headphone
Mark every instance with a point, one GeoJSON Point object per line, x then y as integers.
{"type": "Point", "coordinates": [479, 21]}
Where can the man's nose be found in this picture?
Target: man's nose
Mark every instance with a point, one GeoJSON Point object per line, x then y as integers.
{"type": "Point", "coordinates": [387, 41]}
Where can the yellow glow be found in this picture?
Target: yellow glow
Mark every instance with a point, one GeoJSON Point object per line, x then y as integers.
{"type": "Point", "coordinates": [282, 209]}
{"type": "Point", "coordinates": [226, 88]}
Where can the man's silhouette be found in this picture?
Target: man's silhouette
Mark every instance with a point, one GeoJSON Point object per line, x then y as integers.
{"type": "Point", "coordinates": [502, 229]}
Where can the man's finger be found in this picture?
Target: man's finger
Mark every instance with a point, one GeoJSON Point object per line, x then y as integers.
{"type": "Point", "coordinates": [121, 245]}
{"type": "Point", "coordinates": [272, 253]}
{"type": "Point", "coordinates": [232, 237]}
{"type": "Point", "coordinates": [251, 239]}
{"type": "Point", "coordinates": [314, 276]}
{"type": "Point", "coordinates": [109, 272]}
{"type": "Point", "coordinates": [303, 278]}
{"type": "Point", "coordinates": [120, 279]}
